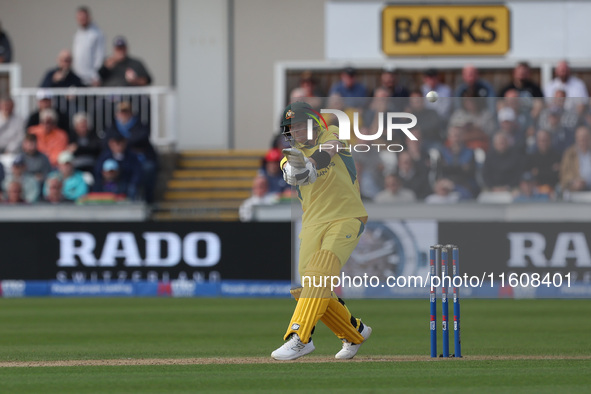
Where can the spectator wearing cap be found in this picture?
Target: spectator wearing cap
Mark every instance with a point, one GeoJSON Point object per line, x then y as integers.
{"type": "Point", "coordinates": [51, 140]}
{"type": "Point", "coordinates": [5, 47]}
{"type": "Point", "coordinates": [111, 181]}
{"type": "Point", "coordinates": [476, 86]}
{"type": "Point", "coordinates": [507, 119]}
{"type": "Point", "coordinates": [352, 92]}
{"type": "Point", "coordinates": [84, 145]}
{"type": "Point", "coordinates": [138, 141]}
{"type": "Point", "coordinates": [11, 127]}
{"type": "Point", "coordinates": [29, 184]}
{"type": "Point", "coordinates": [44, 101]}
{"type": "Point", "coordinates": [36, 163]}
{"type": "Point", "coordinates": [74, 186]}
{"type": "Point", "coordinates": [61, 76]}
{"type": "Point", "coordinates": [574, 87]}
{"type": "Point", "coordinates": [528, 191]}
{"type": "Point", "coordinates": [122, 70]}
{"type": "Point", "coordinates": [272, 172]}
{"type": "Point", "coordinates": [432, 82]}
{"type": "Point", "coordinates": [88, 48]}
{"type": "Point", "coordinates": [130, 168]}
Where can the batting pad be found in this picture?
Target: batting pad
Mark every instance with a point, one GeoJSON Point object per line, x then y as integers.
{"type": "Point", "coordinates": [338, 318]}
{"type": "Point", "coordinates": [315, 295]}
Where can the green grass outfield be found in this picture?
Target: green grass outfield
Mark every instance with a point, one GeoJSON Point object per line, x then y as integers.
{"type": "Point", "coordinates": [168, 345]}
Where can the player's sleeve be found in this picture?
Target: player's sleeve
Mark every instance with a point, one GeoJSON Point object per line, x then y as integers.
{"type": "Point", "coordinates": [332, 135]}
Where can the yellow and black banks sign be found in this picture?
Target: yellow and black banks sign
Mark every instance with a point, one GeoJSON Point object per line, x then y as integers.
{"type": "Point", "coordinates": [445, 30]}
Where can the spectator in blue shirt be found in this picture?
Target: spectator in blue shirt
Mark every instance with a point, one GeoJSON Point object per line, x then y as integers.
{"type": "Point", "coordinates": [130, 168]}
{"type": "Point", "coordinates": [352, 91]}
{"type": "Point", "coordinates": [128, 125]}
{"type": "Point", "coordinates": [111, 180]}
{"type": "Point", "coordinates": [74, 185]}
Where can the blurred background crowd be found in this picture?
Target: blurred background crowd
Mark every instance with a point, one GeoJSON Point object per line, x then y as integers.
{"type": "Point", "coordinates": [480, 141]}
{"type": "Point", "coordinates": [508, 143]}
{"type": "Point", "coordinates": [56, 154]}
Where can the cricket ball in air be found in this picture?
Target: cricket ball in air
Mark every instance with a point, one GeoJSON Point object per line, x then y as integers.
{"type": "Point", "coordinates": [432, 96]}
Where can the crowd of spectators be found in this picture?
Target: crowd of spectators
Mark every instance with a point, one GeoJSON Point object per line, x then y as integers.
{"type": "Point", "coordinates": [531, 142]}
{"type": "Point", "coordinates": [514, 143]}
{"type": "Point", "coordinates": [58, 156]}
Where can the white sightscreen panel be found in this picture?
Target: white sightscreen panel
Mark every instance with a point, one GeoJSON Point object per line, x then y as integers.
{"type": "Point", "coordinates": [353, 30]}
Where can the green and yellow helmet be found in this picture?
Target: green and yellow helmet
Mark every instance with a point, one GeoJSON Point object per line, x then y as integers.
{"type": "Point", "coordinates": [296, 112]}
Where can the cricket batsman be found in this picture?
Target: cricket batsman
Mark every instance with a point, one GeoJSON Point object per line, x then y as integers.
{"type": "Point", "coordinates": [323, 173]}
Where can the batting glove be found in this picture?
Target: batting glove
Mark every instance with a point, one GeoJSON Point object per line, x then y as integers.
{"type": "Point", "coordinates": [300, 176]}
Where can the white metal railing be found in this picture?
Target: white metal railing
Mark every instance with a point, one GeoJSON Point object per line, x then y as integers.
{"type": "Point", "coordinates": [155, 106]}
{"type": "Point", "coordinates": [10, 77]}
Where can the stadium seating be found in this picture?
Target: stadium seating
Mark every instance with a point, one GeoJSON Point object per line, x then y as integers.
{"type": "Point", "coordinates": [209, 185]}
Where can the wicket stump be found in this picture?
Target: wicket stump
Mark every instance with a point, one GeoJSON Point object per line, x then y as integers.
{"type": "Point", "coordinates": [439, 254]}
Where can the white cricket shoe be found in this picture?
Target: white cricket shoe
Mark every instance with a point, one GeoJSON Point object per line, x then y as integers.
{"type": "Point", "coordinates": [349, 349]}
{"type": "Point", "coordinates": [293, 348]}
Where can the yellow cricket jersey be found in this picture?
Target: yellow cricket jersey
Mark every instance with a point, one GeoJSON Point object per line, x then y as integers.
{"type": "Point", "coordinates": [335, 194]}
